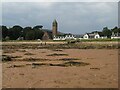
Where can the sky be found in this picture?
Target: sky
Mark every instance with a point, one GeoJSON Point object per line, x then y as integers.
{"type": "Point", "coordinates": [72, 17]}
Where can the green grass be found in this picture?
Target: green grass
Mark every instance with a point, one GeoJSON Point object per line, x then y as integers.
{"type": "Point", "coordinates": [99, 40]}
{"type": "Point", "coordinates": [33, 41]}
{"type": "Point", "coordinates": [82, 40]}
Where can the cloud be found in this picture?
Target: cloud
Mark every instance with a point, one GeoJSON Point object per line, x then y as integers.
{"type": "Point", "coordinates": [60, 0]}
{"type": "Point", "coordinates": [0, 13]}
{"type": "Point", "coordinates": [74, 17]}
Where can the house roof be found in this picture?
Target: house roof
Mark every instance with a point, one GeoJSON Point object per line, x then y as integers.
{"type": "Point", "coordinates": [90, 34]}
{"type": "Point", "coordinates": [94, 33]}
{"type": "Point", "coordinates": [115, 35]}
{"type": "Point", "coordinates": [101, 34]}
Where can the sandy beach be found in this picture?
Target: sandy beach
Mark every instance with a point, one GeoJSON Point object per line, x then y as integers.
{"type": "Point", "coordinates": [47, 68]}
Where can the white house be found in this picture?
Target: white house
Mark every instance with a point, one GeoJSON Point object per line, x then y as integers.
{"type": "Point", "coordinates": [64, 37]}
{"type": "Point", "coordinates": [94, 35]}
{"type": "Point", "coordinates": [115, 35]}
{"type": "Point", "coordinates": [86, 36]}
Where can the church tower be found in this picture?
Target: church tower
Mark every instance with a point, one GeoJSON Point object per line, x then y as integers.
{"type": "Point", "coordinates": [54, 28]}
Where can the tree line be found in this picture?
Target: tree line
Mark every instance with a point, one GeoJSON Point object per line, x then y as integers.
{"type": "Point", "coordinates": [18, 32]}
{"type": "Point", "coordinates": [29, 33]}
{"type": "Point", "coordinates": [108, 32]}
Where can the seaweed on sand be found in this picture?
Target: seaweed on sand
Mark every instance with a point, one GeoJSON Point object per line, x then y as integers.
{"type": "Point", "coordinates": [69, 59]}
{"type": "Point", "coordinates": [56, 54]}
{"type": "Point", "coordinates": [65, 64]}
{"type": "Point", "coordinates": [6, 58]}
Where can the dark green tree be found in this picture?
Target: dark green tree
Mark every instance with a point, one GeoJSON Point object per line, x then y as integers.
{"type": "Point", "coordinates": [4, 31]}
{"type": "Point", "coordinates": [30, 35]}
{"type": "Point", "coordinates": [116, 30]}
{"type": "Point", "coordinates": [15, 32]}
{"type": "Point", "coordinates": [25, 31]}
{"type": "Point", "coordinates": [106, 32]}
{"type": "Point", "coordinates": [38, 27]}
{"type": "Point", "coordinates": [38, 32]}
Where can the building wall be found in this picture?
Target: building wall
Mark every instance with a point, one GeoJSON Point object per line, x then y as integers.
{"type": "Point", "coordinates": [115, 37]}
{"type": "Point", "coordinates": [97, 36]}
{"type": "Point", "coordinates": [67, 37]}
{"type": "Point", "coordinates": [45, 36]}
{"type": "Point", "coordinates": [85, 36]}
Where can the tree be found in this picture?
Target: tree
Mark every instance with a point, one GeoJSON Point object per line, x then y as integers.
{"type": "Point", "coordinates": [15, 32]}
{"type": "Point", "coordinates": [25, 31]}
{"type": "Point", "coordinates": [4, 31]}
{"type": "Point", "coordinates": [37, 27]}
{"type": "Point", "coordinates": [107, 32]}
{"type": "Point", "coordinates": [38, 34]}
{"type": "Point", "coordinates": [30, 35]}
{"type": "Point", "coordinates": [119, 30]}
{"type": "Point", "coordinates": [115, 29]}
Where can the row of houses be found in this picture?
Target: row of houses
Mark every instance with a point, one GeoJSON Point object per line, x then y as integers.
{"type": "Point", "coordinates": [94, 35]}
{"type": "Point", "coordinates": [64, 37]}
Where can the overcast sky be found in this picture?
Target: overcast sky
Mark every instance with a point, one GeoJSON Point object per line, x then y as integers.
{"type": "Point", "coordinates": [72, 17]}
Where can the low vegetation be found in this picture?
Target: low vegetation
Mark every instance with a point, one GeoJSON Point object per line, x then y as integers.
{"type": "Point", "coordinates": [64, 46]}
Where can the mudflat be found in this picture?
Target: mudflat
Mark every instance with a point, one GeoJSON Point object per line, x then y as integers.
{"type": "Point", "coordinates": [60, 68]}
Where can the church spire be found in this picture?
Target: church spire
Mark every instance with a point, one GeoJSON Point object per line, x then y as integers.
{"type": "Point", "coordinates": [54, 28]}
{"type": "Point", "coordinates": [54, 22]}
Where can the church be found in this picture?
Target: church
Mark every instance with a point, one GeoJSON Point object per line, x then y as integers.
{"type": "Point", "coordinates": [54, 34]}
{"type": "Point", "coordinates": [49, 34]}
